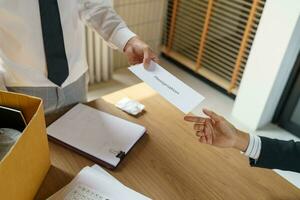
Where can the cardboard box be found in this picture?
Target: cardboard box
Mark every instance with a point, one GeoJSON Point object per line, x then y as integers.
{"type": "Point", "coordinates": [24, 167]}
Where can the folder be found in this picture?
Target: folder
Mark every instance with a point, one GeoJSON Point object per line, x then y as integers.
{"type": "Point", "coordinates": [12, 118]}
{"type": "Point", "coordinates": [97, 135]}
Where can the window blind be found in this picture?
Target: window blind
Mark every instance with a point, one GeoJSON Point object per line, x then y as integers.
{"type": "Point", "coordinates": [212, 37]}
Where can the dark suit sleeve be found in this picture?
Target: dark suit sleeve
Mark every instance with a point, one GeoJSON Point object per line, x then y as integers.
{"type": "Point", "coordinates": [278, 154]}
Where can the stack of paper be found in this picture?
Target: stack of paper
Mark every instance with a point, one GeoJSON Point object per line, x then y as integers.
{"type": "Point", "coordinates": [94, 183]}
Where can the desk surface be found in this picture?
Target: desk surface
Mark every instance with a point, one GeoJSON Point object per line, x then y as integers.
{"type": "Point", "coordinates": [169, 162]}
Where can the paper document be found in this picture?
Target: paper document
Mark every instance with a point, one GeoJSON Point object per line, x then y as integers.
{"type": "Point", "coordinates": [94, 183]}
{"type": "Point", "coordinates": [171, 88]}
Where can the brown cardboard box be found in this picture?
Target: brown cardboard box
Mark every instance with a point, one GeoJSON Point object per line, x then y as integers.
{"type": "Point", "coordinates": [24, 167]}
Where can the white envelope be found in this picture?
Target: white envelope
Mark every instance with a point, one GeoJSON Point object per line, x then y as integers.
{"type": "Point", "coordinates": [171, 88]}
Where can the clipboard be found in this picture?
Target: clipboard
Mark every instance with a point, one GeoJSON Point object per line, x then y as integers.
{"type": "Point", "coordinates": [12, 118]}
{"type": "Point", "coordinates": [96, 135]}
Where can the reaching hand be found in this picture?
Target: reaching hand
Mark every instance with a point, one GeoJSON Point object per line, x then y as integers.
{"type": "Point", "coordinates": [138, 51]}
{"type": "Point", "coordinates": [217, 131]}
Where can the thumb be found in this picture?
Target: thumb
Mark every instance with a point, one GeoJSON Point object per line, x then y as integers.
{"type": "Point", "coordinates": [147, 58]}
{"type": "Point", "coordinates": [212, 115]}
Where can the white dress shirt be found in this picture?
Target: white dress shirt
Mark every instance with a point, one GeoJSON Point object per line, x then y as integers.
{"type": "Point", "coordinates": [254, 147]}
{"type": "Point", "coordinates": [22, 57]}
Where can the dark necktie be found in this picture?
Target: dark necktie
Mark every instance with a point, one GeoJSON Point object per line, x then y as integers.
{"type": "Point", "coordinates": [56, 59]}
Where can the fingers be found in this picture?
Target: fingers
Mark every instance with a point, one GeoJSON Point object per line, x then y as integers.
{"type": "Point", "coordinates": [148, 56]}
{"type": "Point", "coordinates": [203, 127]}
{"type": "Point", "coordinates": [199, 127]}
{"type": "Point", "coordinates": [205, 132]}
{"type": "Point", "coordinates": [211, 129]}
{"type": "Point", "coordinates": [200, 133]}
{"type": "Point", "coordinates": [197, 119]}
{"type": "Point", "coordinates": [208, 130]}
{"type": "Point", "coordinates": [155, 58]}
{"type": "Point", "coordinates": [212, 115]}
{"type": "Point", "coordinates": [194, 119]}
{"type": "Point", "coordinates": [203, 139]}
{"type": "Point", "coordinates": [138, 51]}
{"type": "Point", "coordinates": [133, 62]}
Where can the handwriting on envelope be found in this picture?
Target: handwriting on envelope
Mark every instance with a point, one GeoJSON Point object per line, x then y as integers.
{"type": "Point", "coordinates": [171, 88]}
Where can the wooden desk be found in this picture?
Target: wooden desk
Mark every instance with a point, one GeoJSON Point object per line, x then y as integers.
{"type": "Point", "coordinates": [169, 162]}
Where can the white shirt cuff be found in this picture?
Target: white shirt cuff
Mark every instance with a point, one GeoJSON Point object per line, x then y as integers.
{"type": "Point", "coordinates": [121, 37]}
{"type": "Point", "coordinates": [254, 147]}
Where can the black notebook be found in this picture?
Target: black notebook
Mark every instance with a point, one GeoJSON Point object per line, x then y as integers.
{"type": "Point", "coordinates": [12, 118]}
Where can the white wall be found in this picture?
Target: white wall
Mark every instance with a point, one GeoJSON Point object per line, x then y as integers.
{"type": "Point", "coordinates": [271, 59]}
